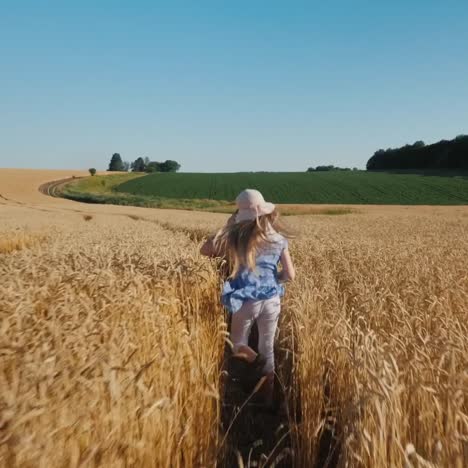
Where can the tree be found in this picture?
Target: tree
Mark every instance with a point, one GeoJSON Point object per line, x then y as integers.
{"type": "Point", "coordinates": [327, 168]}
{"type": "Point", "coordinates": [139, 165]}
{"type": "Point", "coordinates": [126, 166]}
{"type": "Point", "coordinates": [169, 166]}
{"type": "Point", "coordinates": [153, 166]}
{"type": "Point", "coordinates": [116, 163]}
{"type": "Point", "coordinates": [166, 166]}
{"type": "Point", "coordinates": [92, 171]}
{"type": "Point", "coordinates": [443, 155]}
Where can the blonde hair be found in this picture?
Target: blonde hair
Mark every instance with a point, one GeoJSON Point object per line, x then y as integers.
{"type": "Point", "coordinates": [240, 242]}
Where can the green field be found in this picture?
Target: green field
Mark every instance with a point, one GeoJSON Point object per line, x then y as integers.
{"type": "Point", "coordinates": [102, 189]}
{"type": "Point", "coordinates": [354, 187]}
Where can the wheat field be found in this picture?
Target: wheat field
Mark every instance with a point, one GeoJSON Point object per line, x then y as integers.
{"type": "Point", "coordinates": [113, 341]}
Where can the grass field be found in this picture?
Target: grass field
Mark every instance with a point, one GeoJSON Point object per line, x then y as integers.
{"type": "Point", "coordinates": [328, 187]}
{"type": "Point", "coordinates": [104, 189]}
{"type": "Point", "coordinates": [112, 339]}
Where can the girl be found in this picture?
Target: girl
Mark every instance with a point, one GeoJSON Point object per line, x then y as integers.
{"type": "Point", "coordinates": [254, 247]}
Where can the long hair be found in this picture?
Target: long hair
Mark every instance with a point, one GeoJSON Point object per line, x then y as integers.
{"type": "Point", "coordinates": [240, 242]}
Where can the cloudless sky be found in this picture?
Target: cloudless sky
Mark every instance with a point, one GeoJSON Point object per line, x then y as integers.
{"type": "Point", "coordinates": [228, 86]}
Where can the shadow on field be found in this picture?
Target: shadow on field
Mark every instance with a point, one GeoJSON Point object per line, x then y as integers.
{"type": "Point", "coordinates": [255, 436]}
{"type": "Point", "coordinates": [330, 442]}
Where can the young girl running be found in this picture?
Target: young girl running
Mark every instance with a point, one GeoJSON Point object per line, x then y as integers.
{"type": "Point", "coordinates": [253, 243]}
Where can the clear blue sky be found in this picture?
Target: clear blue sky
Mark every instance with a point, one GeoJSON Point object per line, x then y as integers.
{"type": "Point", "coordinates": [228, 86]}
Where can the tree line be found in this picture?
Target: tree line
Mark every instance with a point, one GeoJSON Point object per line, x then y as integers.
{"type": "Point", "coordinates": [142, 165]}
{"type": "Point", "coordinates": [330, 168]}
{"type": "Point", "coordinates": [445, 154]}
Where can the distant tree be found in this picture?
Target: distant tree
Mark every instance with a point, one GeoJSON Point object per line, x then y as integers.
{"type": "Point", "coordinates": [139, 165]}
{"type": "Point", "coordinates": [169, 166]}
{"type": "Point", "coordinates": [327, 168]}
{"type": "Point", "coordinates": [443, 155]}
{"type": "Point", "coordinates": [92, 171]}
{"type": "Point", "coordinates": [153, 166]}
{"type": "Point", "coordinates": [116, 163]}
{"type": "Point", "coordinates": [166, 166]}
{"type": "Point", "coordinates": [461, 137]}
{"type": "Point", "coordinates": [126, 166]}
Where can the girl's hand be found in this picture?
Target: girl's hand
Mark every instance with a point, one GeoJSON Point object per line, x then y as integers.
{"type": "Point", "coordinates": [211, 247]}
{"type": "Point", "coordinates": [208, 248]}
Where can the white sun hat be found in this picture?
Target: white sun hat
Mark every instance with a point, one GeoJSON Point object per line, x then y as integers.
{"type": "Point", "coordinates": [251, 204]}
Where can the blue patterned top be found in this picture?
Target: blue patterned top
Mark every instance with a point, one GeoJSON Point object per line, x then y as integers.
{"type": "Point", "coordinates": [260, 284]}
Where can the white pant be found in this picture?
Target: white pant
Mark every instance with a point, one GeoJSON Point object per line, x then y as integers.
{"type": "Point", "coordinates": [266, 314]}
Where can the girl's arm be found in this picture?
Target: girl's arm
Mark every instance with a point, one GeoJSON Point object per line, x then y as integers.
{"type": "Point", "coordinates": [288, 273]}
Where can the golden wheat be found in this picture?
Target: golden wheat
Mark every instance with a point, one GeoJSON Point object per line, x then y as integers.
{"type": "Point", "coordinates": [112, 337]}
{"type": "Point", "coordinates": [380, 316]}
{"type": "Point", "coordinates": [19, 240]}
{"type": "Point", "coordinates": [111, 345]}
